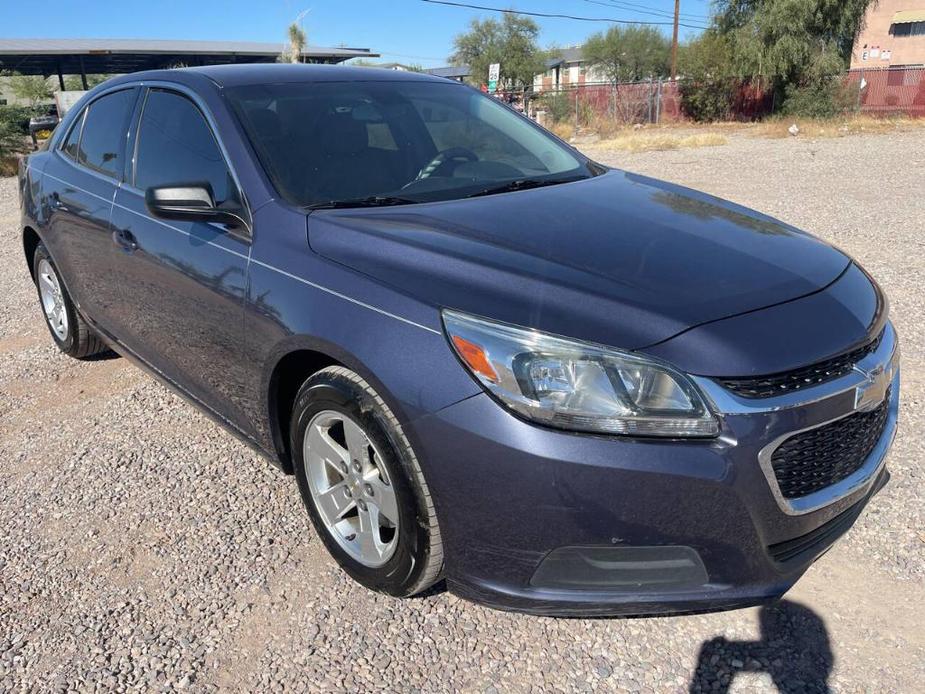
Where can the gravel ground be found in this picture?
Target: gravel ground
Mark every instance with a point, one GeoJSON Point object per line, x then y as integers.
{"type": "Point", "coordinates": [144, 548]}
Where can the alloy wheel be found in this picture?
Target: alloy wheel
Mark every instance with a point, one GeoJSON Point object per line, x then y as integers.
{"type": "Point", "coordinates": [350, 487]}
{"type": "Point", "coordinates": [52, 299]}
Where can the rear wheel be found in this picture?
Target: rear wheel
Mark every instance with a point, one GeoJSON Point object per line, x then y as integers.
{"type": "Point", "coordinates": [69, 331]}
{"type": "Point", "coordinates": [362, 485]}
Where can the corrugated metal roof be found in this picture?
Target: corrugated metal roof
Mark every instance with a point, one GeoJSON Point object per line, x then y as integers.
{"type": "Point", "coordinates": [451, 71]}
{"type": "Point", "coordinates": [909, 16]}
{"type": "Point", "coordinates": [154, 46]}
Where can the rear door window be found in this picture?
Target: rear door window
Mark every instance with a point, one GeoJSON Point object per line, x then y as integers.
{"type": "Point", "coordinates": [176, 145]}
{"type": "Point", "coordinates": [102, 141]}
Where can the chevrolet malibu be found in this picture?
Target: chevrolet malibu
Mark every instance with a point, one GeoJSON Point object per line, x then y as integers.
{"type": "Point", "coordinates": [565, 388]}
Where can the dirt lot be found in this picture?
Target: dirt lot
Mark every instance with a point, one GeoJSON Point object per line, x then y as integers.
{"type": "Point", "coordinates": [142, 547]}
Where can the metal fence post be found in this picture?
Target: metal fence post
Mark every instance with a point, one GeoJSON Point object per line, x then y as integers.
{"type": "Point", "coordinates": [860, 90]}
{"type": "Point", "coordinates": [658, 102]}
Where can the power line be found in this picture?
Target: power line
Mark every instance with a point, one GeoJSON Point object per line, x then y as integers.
{"type": "Point", "coordinates": [629, 7]}
{"type": "Point", "coordinates": [406, 55]}
{"type": "Point", "coordinates": [645, 9]}
{"type": "Point", "coordinates": [552, 15]}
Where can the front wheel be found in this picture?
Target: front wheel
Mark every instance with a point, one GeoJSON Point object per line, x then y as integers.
{"type": "Point", "coordinates": [362, 485]}
{"type": "Point", "coordinates": [69, 331]}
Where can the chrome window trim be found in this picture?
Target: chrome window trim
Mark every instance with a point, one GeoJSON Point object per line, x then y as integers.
{"type": "Point", "coordinates": [861, 479]}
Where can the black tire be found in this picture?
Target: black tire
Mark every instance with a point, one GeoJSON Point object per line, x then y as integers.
{"type": "Point", "coordinates": [417, 562]}
{"type": "Point", "coordinates": [80, 341]}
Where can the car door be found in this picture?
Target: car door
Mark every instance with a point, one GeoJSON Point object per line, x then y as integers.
{"type": "Point", "coordinates": [182, 283]}
{"type": "Point", "coordinates": [79, 184]}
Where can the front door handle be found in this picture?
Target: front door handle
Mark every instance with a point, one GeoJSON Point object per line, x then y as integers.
{"type": "Point", "coordinates": [125, 240]}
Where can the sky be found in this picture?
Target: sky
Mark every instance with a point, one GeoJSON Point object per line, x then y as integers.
{"type": "Point", "coordinates": [404, 31]}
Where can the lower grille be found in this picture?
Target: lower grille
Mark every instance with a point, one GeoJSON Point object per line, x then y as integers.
{"type": "Point", "coordinates": [819, 458]}
{"type": "Point", "coordinates": [818, 540]}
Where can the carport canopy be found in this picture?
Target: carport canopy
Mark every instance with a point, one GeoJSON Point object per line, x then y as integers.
{"type": "Point", "coordinates": [48, 57]}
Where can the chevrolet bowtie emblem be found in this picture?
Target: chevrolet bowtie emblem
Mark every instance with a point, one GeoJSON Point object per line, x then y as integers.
{"type": "Point", "coordinates": [872, 392]}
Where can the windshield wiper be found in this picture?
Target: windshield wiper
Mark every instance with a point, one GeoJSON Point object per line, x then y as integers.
{"type": "Point", "coordinates": [525, 184]}
{"type": "Point", "coordinates": [371, 201]}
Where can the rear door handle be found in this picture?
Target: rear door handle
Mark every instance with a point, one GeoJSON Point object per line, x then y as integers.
{"type": "Point", "coordinates": [125, 240]}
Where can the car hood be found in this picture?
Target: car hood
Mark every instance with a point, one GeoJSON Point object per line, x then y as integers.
{"type": "Point", "coordinates": [618, 259]}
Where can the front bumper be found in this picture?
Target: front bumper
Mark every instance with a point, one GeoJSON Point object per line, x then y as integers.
{"type": "Point", "coordinates": [511, 495]}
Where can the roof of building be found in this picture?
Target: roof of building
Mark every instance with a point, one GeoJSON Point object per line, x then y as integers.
{"type": "Point", "coordinates": [450, 71]}
{"type": "Point", "coordinates": [566, 55]}
{"type": "Point", "coordinates": [110, 56]}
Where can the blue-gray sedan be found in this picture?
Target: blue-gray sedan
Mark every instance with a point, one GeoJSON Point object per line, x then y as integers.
{"type": "Point", "coordinates": [565, 388]}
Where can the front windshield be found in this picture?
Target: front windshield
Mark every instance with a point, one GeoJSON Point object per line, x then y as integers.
{"type": "Point", "coordinates": [395, 142]}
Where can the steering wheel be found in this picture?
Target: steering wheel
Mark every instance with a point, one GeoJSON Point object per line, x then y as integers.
{"type": "Point", "coordinates": [444, 157]}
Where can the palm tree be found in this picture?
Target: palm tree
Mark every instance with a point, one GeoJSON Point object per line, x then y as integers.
{"type": "Point", "coordinates": [296, 44]}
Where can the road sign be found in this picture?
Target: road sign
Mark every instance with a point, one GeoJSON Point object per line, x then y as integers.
{"type": "Point", "coordinates": [494, 73]}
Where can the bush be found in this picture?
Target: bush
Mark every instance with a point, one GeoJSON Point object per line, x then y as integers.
{"type": "Point", "coordinates": [17, 116]}
{"type": "Point", "coordinates": [823, 98]}
{"type": "Point", "coordinates": [707, 100]}
{"type": "Point", "coordinates": [12, 136]}
{"type": "Point", "coordinates": [559, 106]}
{"type": "Point", "coordinates": [708, 89]}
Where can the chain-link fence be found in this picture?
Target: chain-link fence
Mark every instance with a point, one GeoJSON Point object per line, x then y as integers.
{"type": "Point", "coordinates": [890, 90]}
{"type": "Point", "coordinates": [883, 91]}
{"type": "Point", "coordinates": [655, 101]}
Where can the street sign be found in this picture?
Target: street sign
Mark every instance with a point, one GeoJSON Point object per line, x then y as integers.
{"type": "Point", "coordinates": [494, 73]}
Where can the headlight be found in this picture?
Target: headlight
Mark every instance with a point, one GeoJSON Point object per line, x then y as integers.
{"type": "Point", "coordinates": [577, 385]}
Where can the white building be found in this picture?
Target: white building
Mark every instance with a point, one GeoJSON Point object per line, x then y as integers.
{"type": "Point", "coordinates": [568, 69]}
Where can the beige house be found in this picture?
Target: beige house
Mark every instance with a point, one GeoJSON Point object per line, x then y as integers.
{"type": "Point", "coordinates": [893, 35]}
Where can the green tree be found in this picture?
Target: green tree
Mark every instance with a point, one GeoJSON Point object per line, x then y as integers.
{"type": "Point", "coordinates": [73, 83]}
{"type": "Point", "coordinates": [708, 85]}
{"type": "Point", "coordinates": [32, 88]}
{"type": "Point", "coordinates": [629, 54]}
{"type": "Point", "coordinates": [510, 42]}
{"type": "Point", "coordinates": [790, 44]}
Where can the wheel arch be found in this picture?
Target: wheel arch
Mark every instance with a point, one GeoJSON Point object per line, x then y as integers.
{"type": "Point", "coordinates": [30, 241]}
{"type": "Point", "coordinates": [297, 360]}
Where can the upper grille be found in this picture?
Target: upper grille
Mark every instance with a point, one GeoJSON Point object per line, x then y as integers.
{"type": "Point", "coordinates": [804, 377]}
{"type": "Point", "coordinates": [819, 458]}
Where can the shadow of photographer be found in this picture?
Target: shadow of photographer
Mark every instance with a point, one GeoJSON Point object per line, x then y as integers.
{"type": "Point", "coordinates": [794, 650]}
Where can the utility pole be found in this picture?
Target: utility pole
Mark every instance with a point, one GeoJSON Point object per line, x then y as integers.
{"type": "Point", "coordinates": [674, 41]}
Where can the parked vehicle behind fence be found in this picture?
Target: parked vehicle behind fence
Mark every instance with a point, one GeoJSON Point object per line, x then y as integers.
{"type": "Point", "coordinates": [565, 388]}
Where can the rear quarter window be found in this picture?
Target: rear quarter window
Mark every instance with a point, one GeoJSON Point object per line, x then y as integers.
{"type": "Point", "coordinates": [71, 142]}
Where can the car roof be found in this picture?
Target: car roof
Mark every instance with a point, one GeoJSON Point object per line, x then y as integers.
{"type": "Point", "coordinates": [277, 73]}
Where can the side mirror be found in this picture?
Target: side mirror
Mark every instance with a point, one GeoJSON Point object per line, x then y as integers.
{"type": "Point", "coordinates": [192, 202]}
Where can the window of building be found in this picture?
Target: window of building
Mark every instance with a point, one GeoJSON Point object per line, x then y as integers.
{"type": "Point", "coordinates": [908, 29]}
